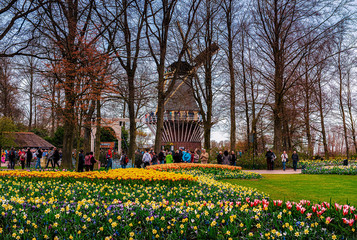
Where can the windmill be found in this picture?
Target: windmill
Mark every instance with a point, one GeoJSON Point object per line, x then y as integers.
{"type": "Point", "coordinates": [182, 121]}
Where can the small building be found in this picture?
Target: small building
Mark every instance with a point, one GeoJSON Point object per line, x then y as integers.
{"type": "Point", "coordinates": [29, 140]}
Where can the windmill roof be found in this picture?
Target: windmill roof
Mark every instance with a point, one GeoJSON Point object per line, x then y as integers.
{"type": "Point", "coordinates": [182, 98]}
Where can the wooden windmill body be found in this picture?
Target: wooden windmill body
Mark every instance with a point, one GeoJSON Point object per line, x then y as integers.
{"type": "Point", "coordinates": [182, 120]}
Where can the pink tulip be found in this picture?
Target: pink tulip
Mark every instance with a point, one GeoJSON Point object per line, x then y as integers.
{"type": "Point", "coordinates": [313, 208]}
{"type": "Point", "coordinates": [345, 212]}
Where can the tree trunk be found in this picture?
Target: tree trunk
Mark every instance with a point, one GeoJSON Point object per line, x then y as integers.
{"type": "Point", "coordinates": [246, 104]}
{"type": "Point", "coordinates": [232, 78]}
{"type": "Point", "coordinates": [31, 96]}
{"type": "Point", "coordinates": [131, 107]}
{"type": "Point", "coordinates": [342, 105]}
{"type": "Point", "coordinates": [53, 97]}
{"type": "Point", "coordinates": [278, 123]}
{"type": "Point", "coordinates": [349, 105]}
{"type": "Point", "coordinates": [97, 134]}
{"type": "Point", "coordinates": [87, 126]}
{"type": "Point", "coordinates": [160, 118]}
{"type": "Point", "coordinates": [69, 130]}
{"type": "Point", "coordinates": [322, 118]}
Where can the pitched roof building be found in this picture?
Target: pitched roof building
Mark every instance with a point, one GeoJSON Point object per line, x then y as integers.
{"type": "Point", "coordinates": [29, 140]}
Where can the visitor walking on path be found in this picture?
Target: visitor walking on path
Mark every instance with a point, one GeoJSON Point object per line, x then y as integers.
{"type": "Point", "coordinates": [196, 157]}
{"type": "Point", "coordinates": [87, 162]}
{"type": "Point", "coordinates": [284, 159]}
{"type": "Point", "coordinates": [38, 156]}
{"type": "Point", "coordinates": [50, 159]}
{"type": "Point", "coordinates": [81, 161]}
{"type": "Point", "coordinates": [270, 159]}
{"type": "Point", "coordinates": [219, 157]}
{"type": "Point", "coordinates": [226, 160]}
{"type": "Point", "coordinates": [161, 157]}
{"type": "Point", "coordinates": [22, 156]}
{"type": "Point", "coordinates": [28, 158]}
{"type": "Point", "coordinates": [204, 156]}
{"type": "Point", "coordinates": [186, 156]}
{"type": "Point", "coordinates": [169, 158]}
{"type": "Point", "coordinates": [295, 158]}
{"type": "Point", "coordinates": [146, 159]}
{"type": "Point", "coordinates": [177, 157]}
{"type": "Point", "coordinates": [124, 160]}
{"type": "Point", "coordinates": [56, 157]}
{"type": "Point", "coordinates": [138, 159]}
{"type": "Point", "coordinates": [233, 159]}
{"type": "Point", "coordinates": [109, 160]}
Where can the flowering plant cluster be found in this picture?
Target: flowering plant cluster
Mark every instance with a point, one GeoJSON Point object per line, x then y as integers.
{"type": "Point", "coordinates": [179, 166]}
{"type": "Point", "coordinates": [83, 208]}
{"type": "Point", "coordinates": [340, 170]}
{"type": "Point", "coordinates": [215, 171]}
{"type": "Point", "coordinates": [334, 166]}
{"type": "Point", "coordinates": [132, 174]}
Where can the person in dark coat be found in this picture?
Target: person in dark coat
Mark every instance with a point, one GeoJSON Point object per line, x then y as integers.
{"type": "Point", "coordinates": [226, 159]}
{"type": "Point", "coordinates": [177, 157]}
{"type": "Point", "coordinates": [295, 158]}
{"type": "Point", "coordinates": [233, 159]}
{"type": "Point", "coordinates": [56, 157]}
{"type": "Point", "coordinates": [50, 159]}
{"type": "Point", "coordinates": [12, 157]}
{"type": "Point", "coordinates": [161, 157]}
{"type": "Point", "coordinates": [269, 156]}
{"type": "Point", "coordinates": [28, 158]}
{"type": "Point", "coordinates": [81, 161]}
{"type": "Point", "coordinates": [123, 160]}
{"type": "Point", "coordinates": [138, 159]}
{"type": "Point", "coordinates": [181, 154]}
{"type": "Point", "coordinates": [219, 157]}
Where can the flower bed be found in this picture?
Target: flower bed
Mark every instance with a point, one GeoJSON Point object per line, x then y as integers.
{"type": "Point", "coordinates": [180, 166]}
{"type": "Point", "coordinates": [340, 170]}
{"type": "Point", "coordinates": [131, 174]}
{"type": "Point", "coordinates": [214, 171]}
{"type": "Point", "coordinates": [334, 166]}
{"type": "Point", "coordinates": [112, 208]}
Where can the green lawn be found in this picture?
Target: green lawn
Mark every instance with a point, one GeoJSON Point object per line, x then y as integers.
{"type": "Point", "coordinates": [316, 188]}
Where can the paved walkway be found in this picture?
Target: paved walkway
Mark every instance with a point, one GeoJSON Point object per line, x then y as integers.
{"type": "Point", "coordinates": [278, 171]}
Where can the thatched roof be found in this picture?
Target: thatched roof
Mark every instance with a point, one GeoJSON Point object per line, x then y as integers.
{"type": "Point", "coordinates": [29, 139]}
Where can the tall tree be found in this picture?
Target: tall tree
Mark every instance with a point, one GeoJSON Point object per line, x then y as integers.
{"type": "Point", "coordinates": [286, 29]}
{"type": "Point", "coordinates": [8, 91]}
{"type": "Point", "coordinates": [158, 28]}
{"type": "Point", "coordinates": [124, 22]}
{"type": "Point", "coordinates": [15, 34]}
{"type": "Point", "coordinates": [229, 8]}
{"type": "Point", "coordinates": [66, 26]}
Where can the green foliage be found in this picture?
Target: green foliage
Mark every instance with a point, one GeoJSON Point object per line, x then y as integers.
{"type": "Point", "coordinates": [124, 139]}
{"type": "Point", "coordinates": [107, 135]}
{"type": "Point", "coordinates": [6, 127]}
{"type": "Point", "coordinates": [57, 139]}
{"type": "Point", "coordinates": [40, 132]}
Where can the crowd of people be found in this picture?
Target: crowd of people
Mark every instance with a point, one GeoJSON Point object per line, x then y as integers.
{"type": "Point", "coordinates": [25, 157]}
{"type": "Point", "coordinates": [150, 157]}
{"type": "Point", "coordinates": [87, 161]}
{"type": "Point", "coordinates": [271, 157]}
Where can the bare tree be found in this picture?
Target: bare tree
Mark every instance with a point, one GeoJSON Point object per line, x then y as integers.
{"type": "Point", "coordinates": [124, 36]}
{"type": "Point", "coordinates": [158, 26]}
{"type": "Point", "coordinates": [285, 31]}
{"type": "Point", "coordinates": [8, 91]}
{"type": "Point", "coordinates": [230, 10]}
